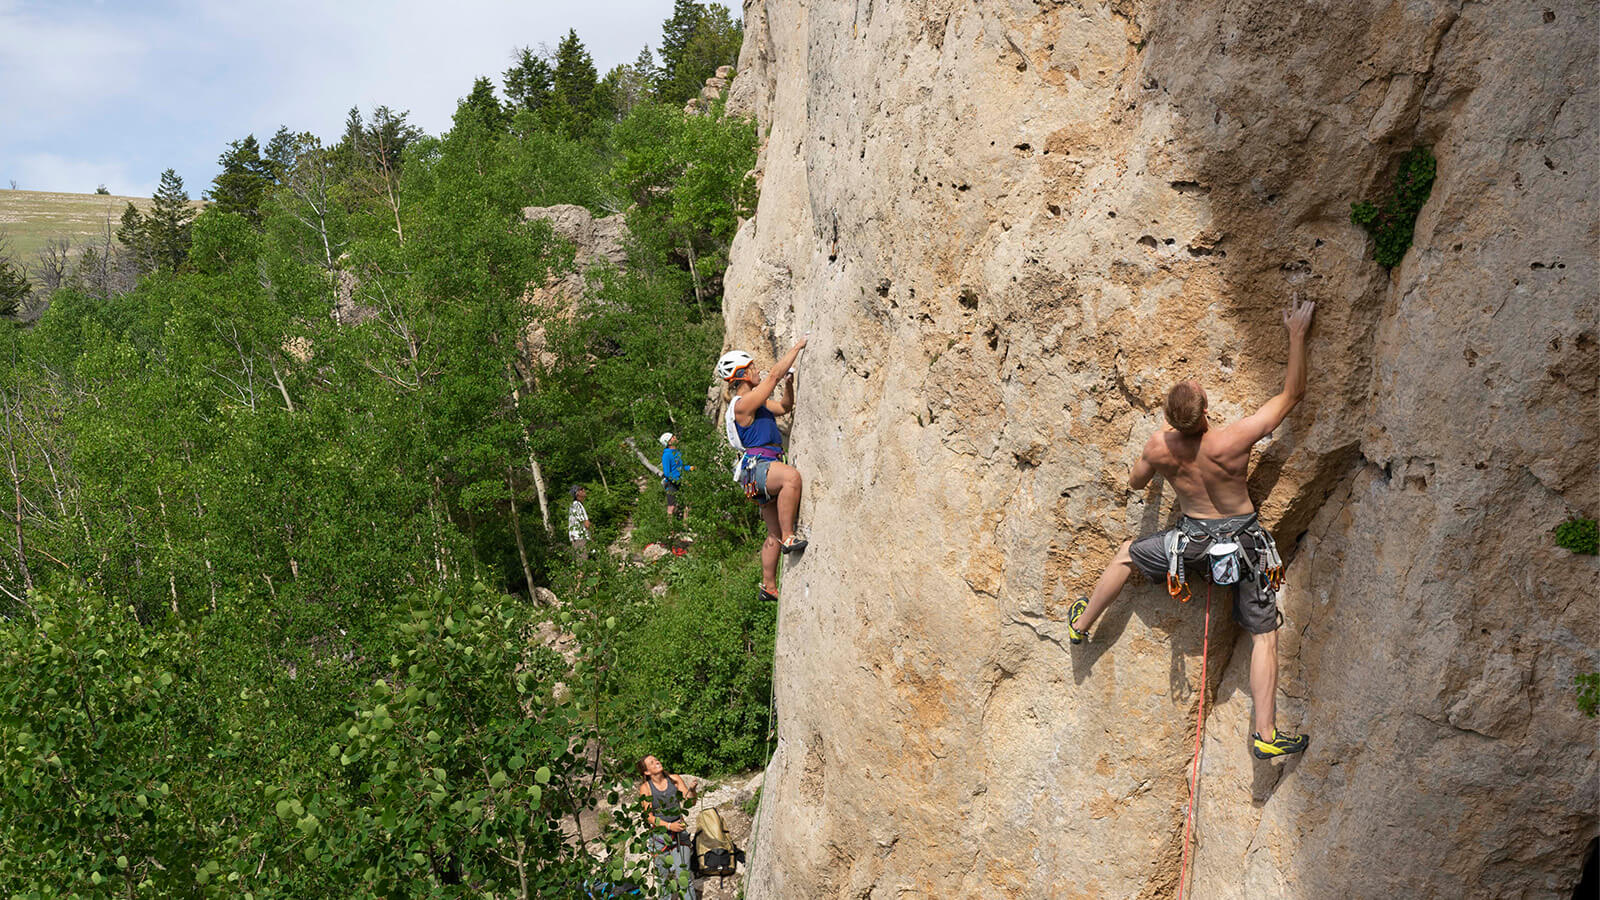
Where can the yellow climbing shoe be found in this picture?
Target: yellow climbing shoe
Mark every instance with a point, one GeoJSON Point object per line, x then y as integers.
{"type": "Point", "coordinates": [1280, 744]}
{"type": "Point", "coordinates": [1073, 611]}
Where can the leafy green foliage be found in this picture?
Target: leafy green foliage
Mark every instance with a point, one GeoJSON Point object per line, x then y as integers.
{"type": "Point", "coordinates": [1392, 223]}
{"type": "Point", "coordinates": [1588, 686]}
{"type": "Point", "coordinates": [1579, 535]}
{"type": "Point", "coordinates": [160, 240]}
{"type": "Point", "coordinates": [464, 763]}
{"type": "Point", "coordinates": [14, 287]}
{"type": "Point", "coordinates": [242, 184]}
{"type": "Point", "coordinates": [699, 662]}
{"type": "Point", "coordinates": [695, 41]}
{"type": "Point", "coordinates": [275, 496]}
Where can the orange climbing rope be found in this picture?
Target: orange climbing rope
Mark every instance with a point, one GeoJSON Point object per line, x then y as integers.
{"type": "Point", "coordinates": [1194, 769]}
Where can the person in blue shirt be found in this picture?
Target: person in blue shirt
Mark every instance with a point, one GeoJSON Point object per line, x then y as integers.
{"type": "Point", "coordinates": [672, 469]}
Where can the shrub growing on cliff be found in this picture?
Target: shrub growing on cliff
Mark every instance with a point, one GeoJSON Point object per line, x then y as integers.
{"type": "Point", "coordinates": [1579, 536]}
{"type": "Point", "coordinates": [1588, 686]}
{"type": "Point", "coordinates": [1391, 224]}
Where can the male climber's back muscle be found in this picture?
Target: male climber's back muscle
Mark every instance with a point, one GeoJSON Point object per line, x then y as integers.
{"type": "Point", "coordinates": [1207, 472]}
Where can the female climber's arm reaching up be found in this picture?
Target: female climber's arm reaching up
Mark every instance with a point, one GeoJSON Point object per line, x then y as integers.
{"type": "Point", "coordinates": [745, 406]}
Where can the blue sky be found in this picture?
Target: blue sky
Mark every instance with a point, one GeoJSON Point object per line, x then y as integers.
{"type": "Point", "coordinates": [114, 91]}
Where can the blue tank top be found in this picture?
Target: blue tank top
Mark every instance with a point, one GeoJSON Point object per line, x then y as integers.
{"type": "Point", "coordinates": [762, 430]}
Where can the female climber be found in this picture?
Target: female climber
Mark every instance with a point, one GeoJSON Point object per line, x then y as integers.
{"type": "Point", "coordinates": [663, 795]}
{"type": "Point", "coordinates": [752, 427]}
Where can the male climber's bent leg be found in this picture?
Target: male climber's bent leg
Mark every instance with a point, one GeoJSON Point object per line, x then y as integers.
{"type": "Point", "coordinates": [1147, 554]}
{"type": "Point", "coordinates": [1106, 589]}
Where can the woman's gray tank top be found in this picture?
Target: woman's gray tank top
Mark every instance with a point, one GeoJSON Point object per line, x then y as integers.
{"type": "Point", "coordinates": [667, 804]}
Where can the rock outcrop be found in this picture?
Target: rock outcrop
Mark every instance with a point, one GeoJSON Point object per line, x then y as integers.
{"type": "Point", "coordinates": [595, 242]}
{"type": "Point", "coordinates": [711, 93]}
{"type": "Point", "coordinates": [1009, 227]}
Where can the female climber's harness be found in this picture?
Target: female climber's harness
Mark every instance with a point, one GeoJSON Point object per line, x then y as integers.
{"type": "Point", "coordinates": [1227, 558]}
{"type": "Point", "coordinates": [744, 471]}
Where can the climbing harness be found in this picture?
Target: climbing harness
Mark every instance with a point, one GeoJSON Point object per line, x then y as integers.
{"type": "Point", "coordinates": [1194, 768]}
{"type": "Point", "coordinates": [1228, 561]}
{"type": "Point", "coordinates": [744, 470]}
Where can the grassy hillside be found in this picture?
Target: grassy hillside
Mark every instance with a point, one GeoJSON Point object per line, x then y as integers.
{"type": "Point", "coordinates": [29, 219]}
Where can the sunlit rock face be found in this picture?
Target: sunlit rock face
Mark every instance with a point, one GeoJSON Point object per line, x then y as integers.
{"type": "Point", "coordinates": [1008, 228]}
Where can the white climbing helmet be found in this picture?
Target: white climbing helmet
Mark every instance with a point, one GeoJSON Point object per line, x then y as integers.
{"type": "Point", "coordinates": [731, 362]}
{"type": "Point", "coordinates": [665, 438]}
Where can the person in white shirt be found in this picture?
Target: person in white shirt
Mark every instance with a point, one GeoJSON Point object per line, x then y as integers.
{"type": "Point", "coordinates": [578, 529]}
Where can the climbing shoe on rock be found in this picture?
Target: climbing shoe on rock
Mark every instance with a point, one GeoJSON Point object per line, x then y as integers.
{"type": "Point", "coordinates": [795, 544]}
{"type": "Point", "coordinates": [766, 595]}
{"type": "Point", "coordinates": [1280, 744]}
{"type": "Point", "coordinates": [1073, 612]}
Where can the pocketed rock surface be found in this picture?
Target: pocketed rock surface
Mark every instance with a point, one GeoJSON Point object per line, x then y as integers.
{"type": "Point", "coordinates": [1009, 227]}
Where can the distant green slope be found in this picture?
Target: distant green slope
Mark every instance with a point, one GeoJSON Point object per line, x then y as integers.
{"type": "Point", "coordinates": [30, 219]}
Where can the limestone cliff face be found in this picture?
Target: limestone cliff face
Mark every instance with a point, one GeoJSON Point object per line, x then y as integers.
{"type": "Point", "coordinates": [1009, 226]}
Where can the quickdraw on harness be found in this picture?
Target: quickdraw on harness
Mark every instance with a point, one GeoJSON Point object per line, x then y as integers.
{"type": "Point", "coordinates": [1228, 561]}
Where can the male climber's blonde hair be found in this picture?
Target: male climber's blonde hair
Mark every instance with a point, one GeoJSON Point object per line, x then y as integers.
{"type": "Point", "coordinates": [1186, 408]}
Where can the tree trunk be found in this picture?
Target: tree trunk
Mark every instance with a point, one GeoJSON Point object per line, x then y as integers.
{"type": "Point", "coordinates": [166, 538]}
{"type": "Point", "coordinates": [527, 444]}
{"type": "Point", "coordinates": [694, 275]}
{"type": "Point", "coordinates": [16, 487]}
{"type": "Point", "coordinates": [516, 529]}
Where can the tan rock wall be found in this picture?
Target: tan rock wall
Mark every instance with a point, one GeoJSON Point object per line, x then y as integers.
{"type": "Point", "coordinates": [1009, 226]}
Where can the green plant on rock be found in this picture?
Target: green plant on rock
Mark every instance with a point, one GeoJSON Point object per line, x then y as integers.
{"type": "Point", "coordinates": [1578, 535]}
{"type": "Point", "coordinates": [1391, 224]}
{"type": "Point", "coordinates": [1588, 693]}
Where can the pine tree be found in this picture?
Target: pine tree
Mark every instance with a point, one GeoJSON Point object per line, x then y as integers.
{"type": "Point", "coordinates": [135, 237]}
{"type": "Point", "coordinates": [712, 42]}
{"type": "Point", "coordinates": [168, 224]}
{"type": "Point", "coordinates": [280, 152]}
{"type": "Point", "coordinates": [675, 35]}
{"type": "Point", "coordinates": [242, 184]}
{"type": "Point", "coordinates": [482, 106]}
{"type": "Point", "coordinates": [528, 83]}
{"type": "Point", "coordinates": [575, 78]}
{"type": "Point", "coordinates": [14, 288]}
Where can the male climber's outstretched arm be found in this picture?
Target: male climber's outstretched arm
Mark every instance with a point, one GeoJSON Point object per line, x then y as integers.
{"type": "Point", "coordinates": [1261, 423]}
{"type": "Point", "coordinates": [762, 392]}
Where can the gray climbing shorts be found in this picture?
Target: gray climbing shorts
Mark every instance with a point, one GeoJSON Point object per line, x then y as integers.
{"type": "Point", "coordinates": [1255, 603]}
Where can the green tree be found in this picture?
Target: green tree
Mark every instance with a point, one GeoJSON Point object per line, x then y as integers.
{"type": "Point", "coordinates": [279, 154]}
{"type": "Point", "coordinates": [14, 286]}
{"type": "Point", "coordinates": [695, 41]}
{"type": "Point", "coordinates": [529, 81]}
{"type": "Point", "coordinates": [484, 107]}
{"type": "Point", "coordinates": [573, 85]}
{"type": "Point", "coordinates": [242, 184]}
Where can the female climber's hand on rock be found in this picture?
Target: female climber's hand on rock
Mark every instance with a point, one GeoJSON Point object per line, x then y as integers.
{"type": "Point", "coordinates": [801, 344]}
{"type": "Point", "coordinates": [1298, 319]}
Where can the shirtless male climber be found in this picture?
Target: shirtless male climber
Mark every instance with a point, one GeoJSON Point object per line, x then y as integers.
{"type": "Point", "coordinates": [1206, 467]}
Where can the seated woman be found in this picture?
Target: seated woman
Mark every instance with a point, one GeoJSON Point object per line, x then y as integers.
{"type": "Point", "coordinates": [752, 427]}
{"type": "Point", "coordinates": [664, 795]}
